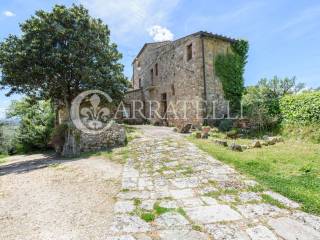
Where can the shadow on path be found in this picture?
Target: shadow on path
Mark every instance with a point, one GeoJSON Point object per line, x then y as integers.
{"type": "Point", "coordinates": [21, 166]}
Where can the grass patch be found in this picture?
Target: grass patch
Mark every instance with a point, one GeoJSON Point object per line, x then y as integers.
{"type": "Point", "coordinates": [268, 199]}
{"type": "Point", "coordinates": [148, 217]}
{"type": "Point", "coordinates": [137, 202]}
{"type": "Point", "coordinates": [119, 155]}
{"type": "Point", "coordinates": [216, 194]}
{"type": "Point", "coordinates": [182, 212]}
{"type": "Point", "coordinates": [187, 171]}
{"type": "Point", "coordinates": [256, 188]}
{"type": "Point", "coordinates": [156, 212]}
{"type": "Point", "coordinates": [290, 168]}
{"type": "Point", "coordinates": [161, 210]}
{"type": "Point", "coordinates": [196, 227]}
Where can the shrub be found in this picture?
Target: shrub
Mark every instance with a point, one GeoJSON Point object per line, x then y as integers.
{"type": "Point", "coordinates": [261, 103]}
{"type": "Point", "coordinates": [36, 123]}
{"type": "Point", "coordinates": [225, 125]}
{"type": "Point", "coordinates": [301, 108]}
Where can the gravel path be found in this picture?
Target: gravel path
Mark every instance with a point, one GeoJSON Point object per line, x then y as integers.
{"type": "Point", "coordinates": [44, 198]}
{"type": "Point", "coordinates": [171, 190]}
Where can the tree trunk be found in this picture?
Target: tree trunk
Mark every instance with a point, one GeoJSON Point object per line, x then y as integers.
{"type": "Point", "coordinates": [71, 147]}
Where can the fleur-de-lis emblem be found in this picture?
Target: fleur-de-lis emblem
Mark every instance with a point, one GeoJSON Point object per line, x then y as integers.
{"type": "Point", "coordinates": [94, 114]}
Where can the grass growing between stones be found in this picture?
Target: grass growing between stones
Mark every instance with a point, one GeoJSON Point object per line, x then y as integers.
{"type": "Point", "coordinates": [196, 227]}
{"type": "Point", "coordinates": [215, 194]}
{"type": "Point", "coordinates": [148, 217]}
{"type": "Point", "coordinates": [268, 199]}
{"type": "Point", "coordinates": [119, 155]}
{"type": "Point", "coordinates": [161, 210]}
{"type": "Point", "coordinates": [291, 168]}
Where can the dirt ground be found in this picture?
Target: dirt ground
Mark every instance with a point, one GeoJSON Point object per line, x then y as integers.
{"type": "Point", "coordinates": [45, 198]}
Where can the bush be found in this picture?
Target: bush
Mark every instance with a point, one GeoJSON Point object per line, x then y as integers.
{"type": "Point", "coordinates": [36, 119]}
{"type": "Point", "coordinates": [225, 125]}
{"type": "Point", "coordinates": [261, 103]}
{"type": "Point", "coordinates": [301, 108]}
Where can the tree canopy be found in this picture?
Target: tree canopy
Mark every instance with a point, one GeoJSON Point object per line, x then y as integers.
{"type": "Point", "coordinates": [261, 102]}
{"type": "Point", "coordinates": [59, 54]}
{"type": "Point", "coordinates": [36, 123]}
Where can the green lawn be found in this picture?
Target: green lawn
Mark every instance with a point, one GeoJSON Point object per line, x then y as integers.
{"type": "Point", "coordinates": [290, 168]}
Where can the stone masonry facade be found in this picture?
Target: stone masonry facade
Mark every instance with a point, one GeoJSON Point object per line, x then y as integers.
{"type": "Point", "coordinates": [174, 82]}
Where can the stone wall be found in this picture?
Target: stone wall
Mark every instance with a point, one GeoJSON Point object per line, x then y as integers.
{"type": "Point", "coordinates": [113, 137]}
{"type": "Point", "coordinates": [213, 48]}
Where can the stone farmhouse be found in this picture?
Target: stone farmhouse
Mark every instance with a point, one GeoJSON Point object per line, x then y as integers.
{"type": "Point", "coordinates": [174, 82]}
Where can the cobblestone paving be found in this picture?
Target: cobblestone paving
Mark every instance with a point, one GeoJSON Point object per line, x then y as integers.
{"type": "Point", "coordinates": [172, 190]}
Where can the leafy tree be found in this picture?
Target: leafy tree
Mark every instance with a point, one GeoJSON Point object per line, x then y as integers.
{"type": "Point", "coordinates": [36, 123]}
{"type": "Point", "coordinates": [261, 102]}
{"type": "Point", "coordinates": [59, 54]}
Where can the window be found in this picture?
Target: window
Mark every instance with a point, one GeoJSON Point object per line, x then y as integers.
{"type": "Point", "coordinates": [138, 64]}
{"type": "Point", "coordinates": [140, 86]}
{"type": "Point", "coordinates": [156, 67]}
{"type": "Point", "coordinates": [127, 111]}
{"type": "Point", "coordinates": [173, 90]}
{"type": "Point", "coordinates": [151, 73]}
{"type": "Point", "coordinates": [189, 52]}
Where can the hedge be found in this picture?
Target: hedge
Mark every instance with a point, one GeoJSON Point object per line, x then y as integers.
{"type": "Point", "coordinates": [301, 108]}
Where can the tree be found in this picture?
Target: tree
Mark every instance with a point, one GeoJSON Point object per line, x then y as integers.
{"type": "Point", "coordinates": [59, 54]}
{"type": "Point", "coordinates": [36, 123]}
{"type": "Point", "coordinates": [261, 102]}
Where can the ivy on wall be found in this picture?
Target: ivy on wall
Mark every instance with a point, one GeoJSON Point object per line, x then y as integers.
{"type": "Point", "coordinates": [230, 69]}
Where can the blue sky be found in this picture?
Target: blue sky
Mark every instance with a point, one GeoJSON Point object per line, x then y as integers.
{"type": "Point", "coordinates": [284, 35]}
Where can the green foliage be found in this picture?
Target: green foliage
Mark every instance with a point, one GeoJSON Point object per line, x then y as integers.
{"type": "Point", "coordinates": [301, 108]}
{"type": "Point", "coordinates": [272, 201]}
{"type": "Point", "coordinates": [196, 227]}
{"type": "Point", "coordinates": [161, 210]}
{"type": "Point", "coordinates": [148, 217]}
{"type": "Point", "coordinates": [230, 69]}
{"type": "Point", "coordinates": [36, 123]}
{"type": "Point", "coordinates": [225, 125]}
{"type": "Point", "coordinates": [7, 135]}
{"type": "Point", "coordinates": [60, 54]}
{"type": "Point", "coordinates": [261, 103]}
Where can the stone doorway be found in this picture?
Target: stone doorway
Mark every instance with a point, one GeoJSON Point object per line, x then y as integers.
{"type": "Point", "coordinates": [164, 106]}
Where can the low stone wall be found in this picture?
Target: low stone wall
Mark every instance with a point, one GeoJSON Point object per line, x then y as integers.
{"type": "Point", "coordinates": [113, 137]}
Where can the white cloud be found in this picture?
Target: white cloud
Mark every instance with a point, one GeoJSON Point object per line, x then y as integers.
{"type": "Point", "coordinates": [9, 14]}
{"type": "Point", "coordinates": [129, 19]}
{"type": "Point", "coordinates": [160, 34]}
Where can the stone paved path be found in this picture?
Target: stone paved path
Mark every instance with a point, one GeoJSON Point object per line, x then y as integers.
{"type": "Point", "coordinates": [192, 196]}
